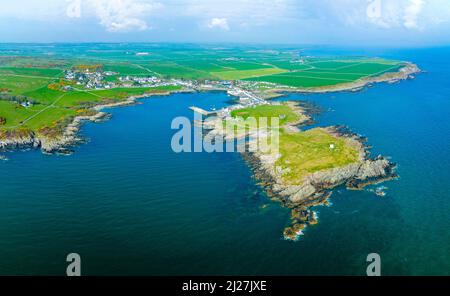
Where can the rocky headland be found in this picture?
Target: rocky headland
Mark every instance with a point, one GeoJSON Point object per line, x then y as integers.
{"type": "Point", "coordinates": [407, 71]}
{"type": "Point", "coordinates": [59, 141]}
{"type": "Point", "coordinates": [315, 188]}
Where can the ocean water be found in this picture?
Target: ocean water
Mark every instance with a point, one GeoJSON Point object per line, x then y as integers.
{"type": "Point", "coordinates": [130, 206]}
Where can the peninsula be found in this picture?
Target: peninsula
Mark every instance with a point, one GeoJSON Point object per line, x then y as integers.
{"type": "Point", "coordinates": [44, 97]}
{"type": "Point", "coordinates": [308, 164]}
{"type": "Point", "coordinates": [44, 100]}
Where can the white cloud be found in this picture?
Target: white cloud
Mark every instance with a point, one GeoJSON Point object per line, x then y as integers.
{"type": "Point", "coordinates": [33, 10]}
{"type": "Point", "coordinates": [123, 15]}
{"type": "Point", "coordinates": [113, 15]}
{"type": "Point", "coordinates": [412, 12]}
{"type": "Point", "coordinates": [387, 14]}
{"type": "Point", "coordinates": [307, 18]}
{"type": "Point", "coordinates": [398, 13]}
{"type": "Point", "coordinates": [390, 14]}
{"type": "Point", "coordinates": [251, 12]}
{"type": "Point", "coordinates": [220, 23]}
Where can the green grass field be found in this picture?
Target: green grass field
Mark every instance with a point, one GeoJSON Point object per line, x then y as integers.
{"type": "Point", "coordinates": [32, 70]}
{"type": "Point", "coordinates": [329, 73]}
{"type": "Point", "coordinates": [283, 112]}
{"type": "Point", "coordinates": [53, 105]}
{"type": "Point", "coordinates": [246, 74]}
{"type": "Point", "coordinates": [307, 152]}
{"type": "Point", "coordinates": [302, 152]}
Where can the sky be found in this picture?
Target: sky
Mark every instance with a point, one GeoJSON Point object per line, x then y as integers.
{"type": "Point", "coordinates": [321, 22]}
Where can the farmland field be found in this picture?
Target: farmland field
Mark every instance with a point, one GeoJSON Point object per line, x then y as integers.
{"type": "Point", "coordinates": [326, 73]}
{"type": "Point", "coordinates": [36, 73]}
{"type": "Point", "coordinates": [307, 152]}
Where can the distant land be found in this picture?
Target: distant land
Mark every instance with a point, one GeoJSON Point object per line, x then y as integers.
{"type": "Point", "coordinates": [46, 93]}
{"type": "Point", "coordinates": [46, 90]}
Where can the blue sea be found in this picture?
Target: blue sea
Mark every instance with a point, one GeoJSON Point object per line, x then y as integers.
{"type": "Point", "coordinates": [129, 205]}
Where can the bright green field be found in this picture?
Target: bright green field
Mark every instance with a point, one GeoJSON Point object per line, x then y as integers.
{"type": "Point", "coordinates": [329, 73]}
{"type": "Point", "coordinates": [283, 112]}
{"type": "Point", "coordinates": [307, 152]}
{"type": "Point", "coordinates": [21, 84]}
{"type": "Point", "coordinates": [304, 152]}
{"type": "Point", "coordinates": [243, 74]}
{"type": "Point", "coordinates": [32, 71]}
{"type": "Point", "coordinates": [53, 106]}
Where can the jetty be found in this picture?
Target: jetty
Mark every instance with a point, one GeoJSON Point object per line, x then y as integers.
{"type": "Point", "coordinates": [202, 111]}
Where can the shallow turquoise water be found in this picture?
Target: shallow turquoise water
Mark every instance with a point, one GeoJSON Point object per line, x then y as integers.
{"type": "Point", "coordinates": [129, 205]}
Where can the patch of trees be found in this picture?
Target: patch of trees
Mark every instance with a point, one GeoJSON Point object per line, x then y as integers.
{"type": "Point", "coordinates": [2, 120]}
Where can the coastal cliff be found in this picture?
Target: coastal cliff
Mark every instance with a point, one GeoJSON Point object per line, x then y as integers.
{"type": "Point", "coordinates": [25, 139]}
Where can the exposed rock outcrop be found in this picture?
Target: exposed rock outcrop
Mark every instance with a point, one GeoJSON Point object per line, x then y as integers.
{"type": "Point", "coordinates": [24, 139]}
{"type": "Point", "coordinates": [60, 141]}
{"type": "Point", "coordinates": [315, 188]}
{"type": "Point", "coordinates": [13, 140]}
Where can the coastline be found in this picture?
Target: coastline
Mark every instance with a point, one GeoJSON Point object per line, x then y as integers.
{"type": "Point", "coordinates": [69, 137]}
{"type": "Point", "coordinates": [404, 73]}
{"type": "Point", "coordinates": [314, 190]}
{"type": "Point", "coordinates": [316, 187]}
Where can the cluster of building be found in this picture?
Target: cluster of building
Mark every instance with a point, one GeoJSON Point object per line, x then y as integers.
{"type": "Point", "coordinates": [256, 85]}
{"type": "Point", "coordinates": [139, 79]}
{"type": "Point", "coordinates": [153, 81]}
{"type": "Point", "coordinates": [246, 99]}
{"type": "Point", "coordinates": [90, 79]}
{"type": "Point", "coordinates": [219, 83]}
{"type": "Point", "coordinates": [97, 80]}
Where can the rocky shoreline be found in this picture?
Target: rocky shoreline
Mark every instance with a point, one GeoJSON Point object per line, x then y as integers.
{"type": "Point", "coordinates": [50, 145]}
{"type": "Point", "coordinates": [69, 137]}
{"type": "Point", "coordinates": [317, 187]}
{"type": "Point", "coordinates": [61, 144]}
{"type": "Point", "coordinates": [404, 73]}
{"type": "Point", "coordinates": [314, 190]}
